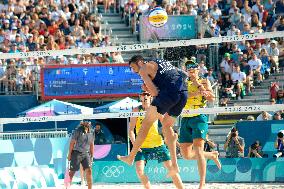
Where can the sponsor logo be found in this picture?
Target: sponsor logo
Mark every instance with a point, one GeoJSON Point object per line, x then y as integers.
{"type": "Point", "coordinates": [113, 171]}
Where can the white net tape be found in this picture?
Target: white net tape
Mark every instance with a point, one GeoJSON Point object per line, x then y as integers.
{"type": "Point", "coordinates": [216, 110]}
{"type": "Point", "coordinates": [139, 47]}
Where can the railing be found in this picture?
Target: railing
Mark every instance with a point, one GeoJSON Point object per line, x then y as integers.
{"type": "Point", "coordinates": [29, 135]}
{"type": "Point", "coordinates": [215, 103]}
{"type": "Point", "coordinates": [15, 80]}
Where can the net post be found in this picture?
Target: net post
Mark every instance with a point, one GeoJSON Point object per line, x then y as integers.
{"type": "Point", "coordinates": [1, 127]}
{"type": "Point", "coordinates": [128, 141]}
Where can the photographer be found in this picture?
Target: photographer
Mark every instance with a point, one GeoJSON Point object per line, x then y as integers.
{"type": "Point", "coordinates": [99, 135]}
{"type": "Point", "coordinates": [279, 145]}
{"type": "Point", "coordinates": [234, 145]}
{"type": "Point", "coordinates": [255, 150]}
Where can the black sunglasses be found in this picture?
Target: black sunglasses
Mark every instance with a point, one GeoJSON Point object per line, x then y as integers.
{"type": "Point", "coordinates": [145, 94]}
{"type": "Point", "coordinates": [191, 66]}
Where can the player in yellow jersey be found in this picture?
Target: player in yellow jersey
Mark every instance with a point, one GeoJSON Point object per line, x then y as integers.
{"type": "Point", "coordinates": [194, 127]}
{"type": "Point", "coordinates": [152, 148]}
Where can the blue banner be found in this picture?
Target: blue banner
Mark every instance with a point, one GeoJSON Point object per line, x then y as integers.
{"type": "Point", "coordinates": [177, 27]}
{"type": "Point", "coordinates": [89, 81]}
{"type": "Point", "coordinates": [233, 170]}
{"type": "Point", "coordinates": [20, 154]}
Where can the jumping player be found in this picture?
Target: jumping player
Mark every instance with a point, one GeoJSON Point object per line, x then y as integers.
{"type": "Point", "coordinates": [168, 87]}
{"type": "Point", "coordinates": [194, 127]}
{"type": "Point", "coordinates": [152, 148]}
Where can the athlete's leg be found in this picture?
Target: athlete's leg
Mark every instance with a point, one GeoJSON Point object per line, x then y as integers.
{"type": "Point", "coordinates": [170, 140]}
{"type": "Point", "coordinates": [188, 153]}
{"type": "Point", "coordinates": [151, 116]}
{"type": "Point", "coordinates": [89, 177]}
{"type": "Point", "coordinates": [168, 123]}
{"type": "Point", "coordinates": [74, 164]}
{"type": "Point", "coordinates": [87, 166]}
{"type": "Point", "coordinates": [198, 148]}
{"type": "Point", "coordinates": [82, 175]}
{"type": "Point", "coordinates": [176, 177]}
{"type": "Point", "coordinates": [140, 165]}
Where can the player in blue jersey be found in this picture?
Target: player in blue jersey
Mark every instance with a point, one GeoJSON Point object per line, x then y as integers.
{"type": "Point", "coordinates": [168, 87]}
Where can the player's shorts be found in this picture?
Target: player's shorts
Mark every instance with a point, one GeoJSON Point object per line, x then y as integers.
{"type": "Point", "coordinates": [171, 103]}
{"type": "Point", "coordinates": [78, 158]}
{"type": "Point", "coordinates": [160, 153]}
{"type": "Point", "coordinates": [193, 128]}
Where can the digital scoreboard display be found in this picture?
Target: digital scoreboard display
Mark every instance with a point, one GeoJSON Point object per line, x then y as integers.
{"type": "Point", "coordinates": [89, 81]}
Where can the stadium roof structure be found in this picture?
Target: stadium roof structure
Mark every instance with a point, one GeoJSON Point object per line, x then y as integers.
{"type": "Point", "coordinates": [125, 105]}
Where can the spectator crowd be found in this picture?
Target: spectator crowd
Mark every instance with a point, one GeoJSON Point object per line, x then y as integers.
{"type": "Point", "coordinates": [40, 25]}
{"type": "Point", "coordinates": [242, 65]}
{"type": "Point", "coordinates": [67, 24]}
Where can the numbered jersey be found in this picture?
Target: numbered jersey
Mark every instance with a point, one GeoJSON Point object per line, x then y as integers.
{"type": "Point", "coordinates": [168, 78]}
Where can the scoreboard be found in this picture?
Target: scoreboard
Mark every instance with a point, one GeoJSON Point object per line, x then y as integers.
{"type": "Point", "coordinates": [89, 81]}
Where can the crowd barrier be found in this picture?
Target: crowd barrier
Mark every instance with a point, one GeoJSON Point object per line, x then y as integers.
{"type": "Point", "coordinates": [233, 170]}
{"type": "Point", "coordinates": [19, 157]}
{"type": "Point", "coordinates": [29, 152]}
{"type": "Point", "coordinates": [28, 177]}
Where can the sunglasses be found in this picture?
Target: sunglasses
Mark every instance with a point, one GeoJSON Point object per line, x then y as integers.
{"type": "Point", "coordinates": [145, 94]}
{"type": "Point", "coordinates": [191, 66]}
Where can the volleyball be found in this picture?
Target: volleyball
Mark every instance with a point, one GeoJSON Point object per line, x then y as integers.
{"type": "Point", "coordinates": [158, 17]}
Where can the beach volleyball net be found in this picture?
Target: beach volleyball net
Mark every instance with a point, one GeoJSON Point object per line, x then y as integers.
{"type": "Point", "coordinates": [78, 73]}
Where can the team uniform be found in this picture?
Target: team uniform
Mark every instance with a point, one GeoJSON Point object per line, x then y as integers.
{"type": "Point", "coordinates": [172, 88]}
{"type": "Point", "coordinates": [193, 126]}
{"type": "Point", "coordinates": [153, 147]}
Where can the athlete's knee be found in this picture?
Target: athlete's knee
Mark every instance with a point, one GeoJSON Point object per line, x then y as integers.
{"type": "Point", "coordinates": [187, 155]}
{"type": "Point", "coordinates": [199, 151]}
{"type": "Point", "coordinates": [88, 172]}
{"type": "Point", "coordinates": [168, 122]}
{"type": "Point", "coordinates": [168, 132]}
{"type": "Point", "coordinates": [140, 173]}
{"type": "Point", "coordinates": [148, 122]}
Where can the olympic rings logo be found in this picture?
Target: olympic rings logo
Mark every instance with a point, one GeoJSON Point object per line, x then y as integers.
{"type": "Point", "coordinates": [113, 171]}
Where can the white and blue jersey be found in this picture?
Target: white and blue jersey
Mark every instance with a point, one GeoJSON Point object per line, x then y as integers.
{"type": "Point", "coordinates": [168, 78]}
{"type": "Point", "coordinates": [172, 89]}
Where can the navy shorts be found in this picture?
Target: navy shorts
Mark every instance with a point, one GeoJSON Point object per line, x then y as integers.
{"type": "Point", "coordinates": [78, 158]}
{"type": "Point", "coordinates": [171, 103]}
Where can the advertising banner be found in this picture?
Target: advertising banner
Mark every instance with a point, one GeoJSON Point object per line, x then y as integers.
{"type": "Point", "coordinates": [18, 154]}
{"type": "Point", "coordinates": [233, 170]}
{"type": "Point", "coordinates": [177, 27]}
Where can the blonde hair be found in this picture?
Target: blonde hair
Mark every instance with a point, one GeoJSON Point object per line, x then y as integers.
{"type": "Point", "coordinates": [250, 118]}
